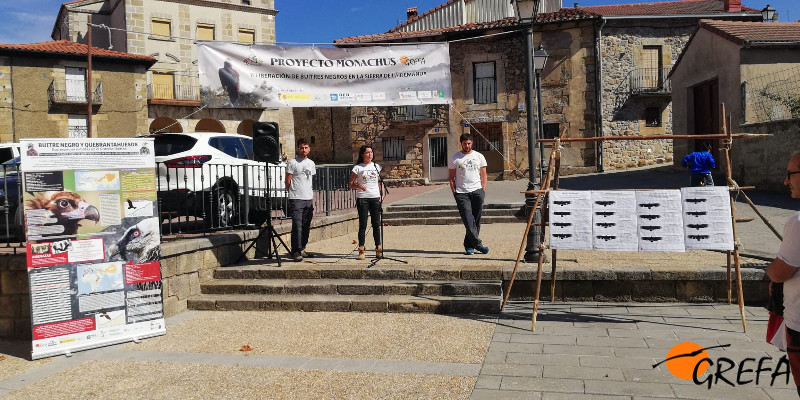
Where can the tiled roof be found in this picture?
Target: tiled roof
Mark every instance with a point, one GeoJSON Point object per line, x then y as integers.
{"type": "Point", "coordinates": [564, 15]}
{"type": "Point", "coordinates": [754, 32]}
{"type": "Point", "coordinates": [679, 7]}
{"type": "Point", "coordinates": [68, 47]}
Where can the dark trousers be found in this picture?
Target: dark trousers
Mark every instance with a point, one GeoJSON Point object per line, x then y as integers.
{"type": "Point", "coordinates": [470, 206]}
{"type": "Point", "coordinates": [701, 180]}
{"type": "Point", "coordinates": [301, 211]}
{"type": "Point", "coordinates": [371, 207]}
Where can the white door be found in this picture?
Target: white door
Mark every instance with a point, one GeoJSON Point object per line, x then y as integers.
{"type": "Point", "coordinates": [437, 148]}
{"type": "Point", "coordinates": [76, 84]}
{"type": "Point", "coordinates": [78, 126]}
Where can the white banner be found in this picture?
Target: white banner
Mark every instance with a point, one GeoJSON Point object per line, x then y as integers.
{"type": "Point", "coordinates": [261, 76]}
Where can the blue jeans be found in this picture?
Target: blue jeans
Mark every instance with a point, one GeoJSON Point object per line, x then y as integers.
{"type": "Point", "coordinates": [369, 207]}
{"type": "Point", "coordinates": [470, 206]}
{"type": "Point", "coordinates": [701, 180]}
{"type": "Point", "coordinates": [301, 211]}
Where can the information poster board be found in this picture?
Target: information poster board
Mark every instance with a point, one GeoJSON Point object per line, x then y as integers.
{"type": "Point", "coordinates": [660, 225]}
{"type": "Point", "coordinates": [570, 219]}
{"type": "Point", "coordinates": [93, 251]}
{"type": "Point", "coordinates": [614, 220]}
{"type": "Point", "coordinates": [707, 218]}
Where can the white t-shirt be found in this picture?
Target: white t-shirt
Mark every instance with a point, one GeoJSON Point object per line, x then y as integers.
{"type": "Point", "coordinates": [302, 171]}
{"type": "Point", "coordinates": [790, 254]}
{"type": "Point", "coordinates": [367, 175]}
{"type": "Point", "coordinates": [468, 170]}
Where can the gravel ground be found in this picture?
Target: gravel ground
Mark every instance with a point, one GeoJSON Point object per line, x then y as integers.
{"type": "Point", "coordinates": [11, 365]}
{"type": "Point", "coordinates": [408, 337]}
{"type": "Point", "coordinates": [145, 380]}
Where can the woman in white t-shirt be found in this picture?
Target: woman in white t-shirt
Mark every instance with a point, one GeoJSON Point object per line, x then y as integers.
{"type": "Point", "coordinates": [365, 180]}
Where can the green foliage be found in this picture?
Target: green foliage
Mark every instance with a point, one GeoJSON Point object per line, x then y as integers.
{"type": "Point", "coordinates": [789, 100]}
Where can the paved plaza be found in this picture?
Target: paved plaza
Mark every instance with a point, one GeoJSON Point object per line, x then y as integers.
{"type": "Point", "coordinates": [579, 351]}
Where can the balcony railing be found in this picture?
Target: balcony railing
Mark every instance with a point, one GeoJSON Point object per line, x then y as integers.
{"type": "Point", "coordinates": [414, 113]}
{"type": "Point", "coordinates": [650, 81]}
{"type": "Point", "coordinates": [73, 92]}
{"type": "Point", "coordinates": [173, 92]}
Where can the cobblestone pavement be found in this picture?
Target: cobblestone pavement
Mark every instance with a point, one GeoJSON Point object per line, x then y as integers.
{"type": "Point", "coordinates": [578, 351]}
{"type": "Point", "coordinates": [607, 351]}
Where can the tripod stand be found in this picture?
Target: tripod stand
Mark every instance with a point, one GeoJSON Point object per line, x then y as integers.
{"type": "Point", "coordinates": [380, 234]}
{"type": "Point", "coordinates": [268, 229]}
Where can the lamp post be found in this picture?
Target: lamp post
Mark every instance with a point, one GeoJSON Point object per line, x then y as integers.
{"type": "Point", "coordinates": [539, 62]}
{"type": "Point", "coordinates": [530, 7]}
{"type": "Point", "coordinates": [767, 14]}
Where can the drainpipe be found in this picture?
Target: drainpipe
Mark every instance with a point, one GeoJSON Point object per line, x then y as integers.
{"type": "Point", "coordinates": [333, 136]}
{"type": "Point", "coordinates": [598, 70]}
{"type": "Point", "coordinates": [13, 117]}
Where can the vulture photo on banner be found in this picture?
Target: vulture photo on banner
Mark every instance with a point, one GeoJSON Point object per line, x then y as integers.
{"type": "Point", "coordinates": [139, 243]}
{"type": "Point", "coordinates": [229, 79]}
{"type": "Point", "coordinates": [68, 208]}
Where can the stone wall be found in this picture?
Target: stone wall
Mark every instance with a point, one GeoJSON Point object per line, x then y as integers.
{"type": "Point", "coordinates": [761, 162]}
{"type": "Point", "coordinates": [623, 113]}
{"type": "Point", "coordinates": [185, 264]}
{"type": "Point", "coordinates": [328, 131]}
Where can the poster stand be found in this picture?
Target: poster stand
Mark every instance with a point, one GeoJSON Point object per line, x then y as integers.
{"type": "Point", "coordinates": [551, 180]}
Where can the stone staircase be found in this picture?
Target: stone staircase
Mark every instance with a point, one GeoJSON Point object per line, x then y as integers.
{"type": "Point", "coordinates": [307, 287]}
{"type": "Point", "coordinates": [448, 214]}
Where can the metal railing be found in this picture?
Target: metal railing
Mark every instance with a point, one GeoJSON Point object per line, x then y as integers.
{"type": "Point", "coordinates": [650, 80]}
{"type": "Point", "coordinates": [212, 197]}
{"type": "Point", "coordinates": [173, 92]}
{"type": "Point", "coordinates": [413, 113]}
{"type": "Point", "coordinates": [209, 198]}
{"type": "Point", "coordinates": [772, 97]}
{"type": "Point", "coordinates": [59, 93]}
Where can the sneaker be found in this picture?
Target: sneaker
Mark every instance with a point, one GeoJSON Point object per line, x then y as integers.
{"type": "Point", "coordinates": [297, 257]}
{"type": "Point", "coordinates": [469, 251]}
{"type": "Point", "coordinates": [483, 249]}
{"type": "Point", "coordinates": [305, 255]}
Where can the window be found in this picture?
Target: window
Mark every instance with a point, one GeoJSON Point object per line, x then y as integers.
{"type": "Point", "coordinates": [651, 66]}
{"type": "Point", "coordinates": [247, 36]}
{"type": "Point", "coordinates": [205, 32]}
{"type": "Point", "coordinates": [246, 2]}
{"type": "Point", "coordinates": [484, 83]}
{"type": "Point", "coordinates": [652, 117]}
{"type": "Point", "coordinates": [394, 149]}
{"type": "Point", "coordinates": [77, 126]}
{"type": "Point", "coordinates": [160, 28]}
{"type": "Point", "coordinates": [231, 146]}
{"type": "Point", "coordinates": [76, 83]}
{"type": "Point", "coordinates": [551, 131]}
{"type": "Point", "coordinates": [163, 85]}
{"type": "Point", "coordinates": [488, 137]}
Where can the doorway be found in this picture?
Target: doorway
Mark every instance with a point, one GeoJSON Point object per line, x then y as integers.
{"type": "Point", "coordinates": [706, 113]}
{"type": "Point", "coordinates": [437, 148]}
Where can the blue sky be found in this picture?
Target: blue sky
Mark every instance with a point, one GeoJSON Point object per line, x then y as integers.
{"type": "Point", "coordinates": [306, 21]}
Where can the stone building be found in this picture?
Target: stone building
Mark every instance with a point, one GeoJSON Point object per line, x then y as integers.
{"type": "Point", "coordinates": [487, 65]}
{"type": "Point", "coordinates": [638, 44]}
{"type": "Point", "coordinates": [606, 76]}
{"type": "Point", "coordinates": [754, 70]}
{"type": "Point", "coordinates": [43, 91]}
{"type": "Point", "coordinates": [169, 30]}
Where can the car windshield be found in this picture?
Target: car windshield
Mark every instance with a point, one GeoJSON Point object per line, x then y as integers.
{"type": "Point", "coordinates": [170, 144]}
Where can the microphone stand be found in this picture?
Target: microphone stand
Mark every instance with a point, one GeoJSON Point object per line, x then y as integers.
{"type": "Point", "coordinates": [381, 184]}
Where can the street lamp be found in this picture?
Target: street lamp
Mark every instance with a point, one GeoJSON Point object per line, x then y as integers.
{"type": "Point", "coordinates": [539, 62]}
{"type": "Point", "coordinates": [768, 13]}
{"type": "Point", "coordinates": [529, 9]}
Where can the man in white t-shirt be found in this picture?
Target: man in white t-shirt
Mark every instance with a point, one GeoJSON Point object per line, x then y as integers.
{"type": "Point", "coordinates": [468, 183]}
{"type": "Point", "coordinates": [784, 268]}
{"type": "Point", "coordinates": [299, 171]}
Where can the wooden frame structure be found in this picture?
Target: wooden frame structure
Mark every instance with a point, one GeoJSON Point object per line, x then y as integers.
{"type": "Point", "coordinates": [552, 178]}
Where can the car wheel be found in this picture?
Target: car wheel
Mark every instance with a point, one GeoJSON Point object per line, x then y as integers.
{"type": "Point", "coordinates": [223, 211]}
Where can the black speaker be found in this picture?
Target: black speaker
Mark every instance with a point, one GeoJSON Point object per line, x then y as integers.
{"type": "Point", "coordinates": [266, 147]}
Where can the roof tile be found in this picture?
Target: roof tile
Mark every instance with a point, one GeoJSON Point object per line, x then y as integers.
{"type": "Point", "coordinates": [68, 47]}
{"type": "Point", "coordinates": [679, 7]}
{"type": "Point", "coordinates": [754, 32]}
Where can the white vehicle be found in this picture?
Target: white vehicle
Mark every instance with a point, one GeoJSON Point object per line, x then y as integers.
{"type": "Point", "coordinates": [9, 151]}
{"type": "Point", "coordinates": [213, 176]}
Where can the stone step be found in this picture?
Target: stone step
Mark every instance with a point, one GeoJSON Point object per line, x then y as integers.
{"type": "Point", "coordinates": [450, 220]}
{"type": "Point", "coordinates": [431, 207]}
{"type": "Point", "coordinates": [347, 303]}
{"type": "Point", "coordinates": [357, 271]}
{"type": "Point", "coordinates": [351, 287]}
{"type": "Point", "coordinates": [506, 212]}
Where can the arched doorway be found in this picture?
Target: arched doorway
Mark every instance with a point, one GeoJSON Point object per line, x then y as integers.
{"type": "Point", "coordinates": [209, 125]}
{"type": "Point", "coordinates": [246, 128]}
{"type": "Point", "coordinates": [165, 125]}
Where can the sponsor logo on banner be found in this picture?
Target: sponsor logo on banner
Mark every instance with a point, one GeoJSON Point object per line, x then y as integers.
{"type": "Point", "coordinates": [295, 97]}
{"type": "Point", "coordinates": [334, 97]}
{"type": "Point", "coordinates": [424, 94]}
{"type": "Point", "coordinates": [363, 96]}
{"type": "Point", "coordinates": [408, 95]}
{"type": "Point", "coordinates": [379, 96]}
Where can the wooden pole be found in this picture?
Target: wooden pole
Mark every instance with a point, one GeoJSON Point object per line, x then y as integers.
{"type": "Point", "coordinates": [736, 261]}
{"type": "Point", "coordinates": [763, 218]}
{"type": "Point", "coordinates": [655, 137]}
{"type": "Point", "coordinates": [545, 183]}
{"type": "Point", "coordinates": [89, 78]}
{"type": "Point", "coordinates": [728, 275]}
{"type": "Point", "coordinates": [541, 247]}
{"type": "Point", "coordinates": [554, 252]}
